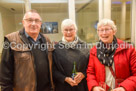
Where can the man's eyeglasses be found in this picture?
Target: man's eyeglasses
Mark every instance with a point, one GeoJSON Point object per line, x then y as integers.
{"type": "Point", "coordinates": [106, 30]}
{"type": "Point", "coordinates": [29, 20]}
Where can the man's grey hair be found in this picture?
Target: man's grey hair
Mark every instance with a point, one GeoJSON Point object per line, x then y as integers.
{"type": "Point", "coordinates": [108, 22]}
{"type": "Point", "coordinates": [32, 11]}
{"type": "Point", "coordinates": [68, 22]}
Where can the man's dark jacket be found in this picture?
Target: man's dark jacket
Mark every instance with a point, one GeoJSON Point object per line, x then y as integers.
{"type": "Point", "coordinates": [17, 69]}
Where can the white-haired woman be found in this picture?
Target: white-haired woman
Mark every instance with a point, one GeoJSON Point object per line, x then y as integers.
{"type": "Point", "coordinates": [68, 51]}
{"type": "Point", "coordinates": [112, 62]}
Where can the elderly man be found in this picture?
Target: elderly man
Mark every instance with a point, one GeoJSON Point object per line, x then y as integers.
{"type": "Point", "coordinates": [26, 59]}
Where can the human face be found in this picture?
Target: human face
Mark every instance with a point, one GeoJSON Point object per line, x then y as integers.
{"type": "Point", "coordinates": [69, 33]}
{"type": "Point", "coordinates": [32, 23]}
{"type": "Point", "coordinates": [106, 34]}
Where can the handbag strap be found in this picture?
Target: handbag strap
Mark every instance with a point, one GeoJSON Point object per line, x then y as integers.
{"type": "Point", "coordinates": [114, 75]}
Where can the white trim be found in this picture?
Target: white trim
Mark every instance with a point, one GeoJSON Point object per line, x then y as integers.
{"type": "Point", "coordinates": [104, 9]}
{"type": "Point", "coordinates": [133, 22]}
{"type": "Point", "coordinates": [71, 9]}
{"type": "Point", "coordinates": [1, 34]}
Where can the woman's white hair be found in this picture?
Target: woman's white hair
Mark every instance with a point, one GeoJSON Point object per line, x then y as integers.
{"type": "Point", "coordinates": [108, 22]}
{"type": "Point", "coordinates": [68, 22]}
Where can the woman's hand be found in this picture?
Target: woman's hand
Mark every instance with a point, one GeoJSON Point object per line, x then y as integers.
{"type": "Point", "coordinates": [98, 88]}
{"type": "Point", "coordinates": [78, 78]}
{"type": "Point", "coordinates": [119, 89]}
{"type": "Point", "coordinates": [71, 81]}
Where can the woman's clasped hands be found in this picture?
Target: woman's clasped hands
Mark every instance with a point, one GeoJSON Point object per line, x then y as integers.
{"type": "Point", "coordinates": [77, 79]}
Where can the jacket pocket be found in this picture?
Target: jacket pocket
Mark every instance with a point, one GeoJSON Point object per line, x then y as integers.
{"type": "Point", "coordinates": [24, 69]}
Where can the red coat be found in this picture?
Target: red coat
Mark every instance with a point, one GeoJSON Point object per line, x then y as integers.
{"type": "Point", "coordinates": [125, 67]}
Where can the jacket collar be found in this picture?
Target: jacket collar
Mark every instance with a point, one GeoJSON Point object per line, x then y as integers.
{"type": "Point", "coordinates": [121, 46]}
{"type": "Point", "coordinates": [24, 38]}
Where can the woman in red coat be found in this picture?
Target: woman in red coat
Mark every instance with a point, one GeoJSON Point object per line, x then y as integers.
{"type": "Point", "coordinates": [111, 61]}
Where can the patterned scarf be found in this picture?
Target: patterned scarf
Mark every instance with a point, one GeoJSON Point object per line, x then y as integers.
{"type": "Point", "coordinates": [70, 44]}
{"type": "Point", "coordinates": [105, 54]}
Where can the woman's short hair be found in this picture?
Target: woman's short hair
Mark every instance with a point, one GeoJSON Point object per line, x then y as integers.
{"type": "Point", "coordinates": [109, 22]}
{"type": "Point", "coordinates": [68, 22]}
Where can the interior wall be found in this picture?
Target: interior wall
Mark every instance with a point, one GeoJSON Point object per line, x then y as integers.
{"type": "Point", "coordinates": [7, 24]}
{"type": "Point", "coordinates": [18, 21]}
{"type": "Point", "coordinates": [8, 20]}
{"type": "Point", "coordinates": [1, 34]}
{"type": "Point", "coordinates": [55, 17]}
{"type": "Point", "coordinates": [86, 22]}
{"type": "Point", "coordinates": [128, 27]}
{"type": "Point", "coordinates": [116, 16]}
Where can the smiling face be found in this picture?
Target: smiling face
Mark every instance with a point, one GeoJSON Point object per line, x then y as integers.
{"type": "Point", "coordinates": [69, 33]}
{"type": "Point", "coordinates": [32, 23]}
{"type": "Point", "coordinates": [106, 33]}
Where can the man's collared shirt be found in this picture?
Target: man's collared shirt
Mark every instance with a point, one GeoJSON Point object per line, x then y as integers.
{"type": "Point", "coordinates": [32, 40]}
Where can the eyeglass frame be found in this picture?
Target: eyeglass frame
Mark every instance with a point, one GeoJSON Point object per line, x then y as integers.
{"type": "Point", "coordinates": [69, 30]}
{"type": "Point", "coordinates": [106, 30]}
{"type": "Point", "coordinates": [29, 20]}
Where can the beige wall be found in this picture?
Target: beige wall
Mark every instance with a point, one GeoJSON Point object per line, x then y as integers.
{"type": "Point", "coordinates": [1, 34]}
{"type": "Point", "coordinates": [18, 21]}
{"type": "Point", "coordinates": [116, 16]}
{"type": "Point", "coordinates": [128, 27]}
{"type": "Point", "coordinates": [55, 17]}
{"type": "Point", "coordinates": [7, 24]}
{"type": "Point", "coordinates": [85, 20]}
{"type": "Point", "coordinates": [8, 20]}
